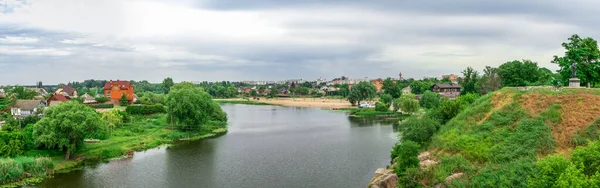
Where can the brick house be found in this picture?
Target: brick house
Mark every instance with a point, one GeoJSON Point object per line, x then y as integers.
{"type": "Point", "coordinates": [113, 90]}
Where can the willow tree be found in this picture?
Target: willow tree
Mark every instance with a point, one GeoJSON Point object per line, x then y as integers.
{"type": "Point", "coordinates": [190, 107]}
{"type": "Point", "coordinates": [362, 91]}
{"type": "Point", "coordinates": [64, 126]}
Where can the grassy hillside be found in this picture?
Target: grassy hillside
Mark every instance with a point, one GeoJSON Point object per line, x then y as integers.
{"type": "Point", "coordinates": [512, 138]}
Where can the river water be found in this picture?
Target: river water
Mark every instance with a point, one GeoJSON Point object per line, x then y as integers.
{"type": "Point", "coordinates": [266, 146]}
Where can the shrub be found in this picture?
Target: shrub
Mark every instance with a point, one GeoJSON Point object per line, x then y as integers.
{"type": "Point", "coordinates": [381, 107]}
{"type": "Point", "coordinates": [406, 156]}
{"type": "Point", "coordinates": [146, 109]}
{"type": "Point", "coordinates": [548, 170]}
{"type": "Point", "coordinates": [419, 130]}
{"type": "Point", "coordinates": [572, 177]}
{"type": "Point", "coordinates": [430, 100]}
{"type": "Point", "coordinates": [409, 104]}
{"type": "Point", "coordinates": [101, 105]}
{"type": "Point", "coordinates": [101, 99]}
{"type": "Point", "coordinates": [11, 144]}
{"type": "Point", "coordinates": [14, 169]}
{"type": "Point", "coordinates": [589, 157]}
{"type": "Point", "coordinates": [450, 165]}
{"type": "Point", "coordinates": [513, 174]}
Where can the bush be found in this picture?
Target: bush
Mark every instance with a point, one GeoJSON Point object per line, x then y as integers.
{"type": "Point", "coordinates": [14, 169]}
{"type": "Point", "coordinates": [101, 105]}
{"type": "Point", "coordinates": [450, 165]}
{"type": "Point", "coordinates": [589, 157]}
{"type": "Point", "coordinates": [419, 130]}
{"type": "Point", "coordinates": [381, 107]}
{"type": "Point", "coordinates": [146, 109]}
{"type": "Point", "coordinates": [406, 156]}
{"type": "Point", "coordinates": [548, 170]}
{"type": "Point", "coordinates": [101, 99]}
{"type": "Point", "coordinates": [513, 174]}
{"type": "Point", "coordinates": [430, 100]}
{"type": "Point", "coordinates": [11, 144]}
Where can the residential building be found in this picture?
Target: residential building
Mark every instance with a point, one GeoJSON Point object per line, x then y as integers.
{"type": "Point", "coordinates": [447, 90]}
{"type": "Point", "coordinates": [56, 99]}
{"type": "Point", "coordinates": [113, 90]}
{"type": "Point", "coordinates": [406, 90]}
{"type": "Point", "coordinates": [39, 91]}
{"type": "Point", "coordinates": [88, 99]}
{"type": "Point", "coordinates": [26, 108]}
{"type": "Point", "coordinates": [67, 91]}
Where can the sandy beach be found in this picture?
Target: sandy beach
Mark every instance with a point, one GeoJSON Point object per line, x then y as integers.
{"type": "Point", "coordinates": [307, 102]}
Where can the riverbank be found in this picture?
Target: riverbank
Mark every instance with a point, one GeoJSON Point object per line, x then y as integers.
{"type": "Point", "coordinates": [139, 133]}
{"type": "Point", "coordinates": [294, 102]}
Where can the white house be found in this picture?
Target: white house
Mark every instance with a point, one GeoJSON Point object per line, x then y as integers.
{"type": "Point", "coordinates": [25, 108]}
{"type": "Point", "coordinates": [88, 99]}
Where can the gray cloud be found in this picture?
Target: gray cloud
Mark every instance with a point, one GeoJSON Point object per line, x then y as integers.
{"type": "Point", "coordinates": [274, 40]}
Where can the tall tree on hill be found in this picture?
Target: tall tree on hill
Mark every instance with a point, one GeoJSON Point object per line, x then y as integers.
{"type": "Point", "coordinates": [490, 80]}
{"type": "Point", "coordinates": [167, 83]}
{"type": "Point", "coordinates": [519, 73]}
{"type": "Point", "coordinates": [470, 78]}
{"type": "Point", "coordinates": [391, 87]}
{"type": "Point", "coordinates": [362, 91]}
{"type": "Point", "coordinates": [586, 56]}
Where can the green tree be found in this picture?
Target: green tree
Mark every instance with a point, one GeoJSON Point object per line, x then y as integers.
{"type": "Point", "coordinates": [302, 90]}
{"type": "Point", "coordinates": [409, 104]}
{"type": "Point", "coordinates": [101, 99]}
{"type": "Point", "coordinates": [66, 125]}
{"type": "Point", "coordinates": [124, 101]}
{"type": "Point", "coordinates": [390, 87]}
{"type": "Point", "coordinates": [430, 100]}
{"type": "Point", "coordinates": [572, 177]}
{"type": "Point", "coordinates": [419, 130]}
{"type": "Point", "coordinates": [253, 93]}
{"type": "Point", "coordinates": [190, 107]}
{"type": "Point", "coordinates": [470, 78]}
{"type": "Point", "coordinates": [419, 87]}
{"type": "Point", "coordinates": [490, 80]}
{"type": "Point", "coordinates": [4, 103]}
{"type": "Point", "coordinates": [112, 117]}
{"type": "Point", "coordinates": [586, 56]}
{"type": "Point", "coordinates": [519, 73]}
{"type": "Point", "coordinates": [362, 91]}
{"type": "Point", "coordinates": [386, 98]}
{"type": "Point", "coordinates": [449, 109]}
{"type": "Point", "coordinates": [273, 92]}
{"type": "Point", "coordinates": [21, 93]}
{"type": "Point", "coordinates": [396, 103]}
{"type": "Point", "coordinates": [167, 83]}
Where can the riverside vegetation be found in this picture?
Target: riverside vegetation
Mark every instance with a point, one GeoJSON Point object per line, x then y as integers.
{"type": "Point", "coordinates": [510, 138]}
{"type": "Point", "coordinates": [55, 143]}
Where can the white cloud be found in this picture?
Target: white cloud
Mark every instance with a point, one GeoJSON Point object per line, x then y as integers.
{"type": "Point", "coordinates": [29, 51]}
{"type": "Point", "coordinates": [18, 40]}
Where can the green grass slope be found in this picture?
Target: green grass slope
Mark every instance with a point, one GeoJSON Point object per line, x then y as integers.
{"type": "Point", "coordinates": [514, 138]}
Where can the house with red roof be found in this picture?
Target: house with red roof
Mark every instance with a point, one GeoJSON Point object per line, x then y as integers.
{"type": "Point", "coordinates": [113, 90]}
{"type": "Point", "coordinates": [68, 91]}
{"type": "Point", "coordinates": [56, 99]}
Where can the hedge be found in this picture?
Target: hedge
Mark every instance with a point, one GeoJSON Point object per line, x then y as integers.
{"type": "Point", "coordinates": [102, 105]}
{"type": "Point", "coordinates": [146, 109]}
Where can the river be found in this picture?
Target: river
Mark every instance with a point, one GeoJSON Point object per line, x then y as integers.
{"type": "Point", "coordinates": [266, 146]}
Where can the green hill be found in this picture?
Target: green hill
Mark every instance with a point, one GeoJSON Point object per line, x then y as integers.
{"type": "Point", "coordinates": [513, 138]}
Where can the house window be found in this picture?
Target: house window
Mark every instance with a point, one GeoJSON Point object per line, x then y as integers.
{"type": "Point", "coordinates": [116, 88]}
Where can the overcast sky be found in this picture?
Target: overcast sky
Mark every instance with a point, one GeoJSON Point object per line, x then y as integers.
{"type": "Point", "coordinates": [57, 41]}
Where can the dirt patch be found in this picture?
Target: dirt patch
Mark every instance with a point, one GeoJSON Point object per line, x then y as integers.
{"type": "Point", "coordinates": [499, 100]}
{"type": "Point", "coordinates": [577, 111]}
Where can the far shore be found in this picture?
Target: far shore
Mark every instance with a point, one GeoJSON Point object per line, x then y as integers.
{"type": "Point", "coordinates": [301, 102]}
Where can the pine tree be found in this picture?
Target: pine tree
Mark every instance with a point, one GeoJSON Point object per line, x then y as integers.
{"type": "Point", "coordinates": [124, 101]}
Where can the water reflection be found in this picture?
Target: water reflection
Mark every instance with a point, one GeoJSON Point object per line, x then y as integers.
{"type": "Point", "coordinates": [266, 146]}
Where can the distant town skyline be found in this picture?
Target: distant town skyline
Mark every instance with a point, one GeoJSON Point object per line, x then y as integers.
{"type": "Point", "coordinates": [274, 40]}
